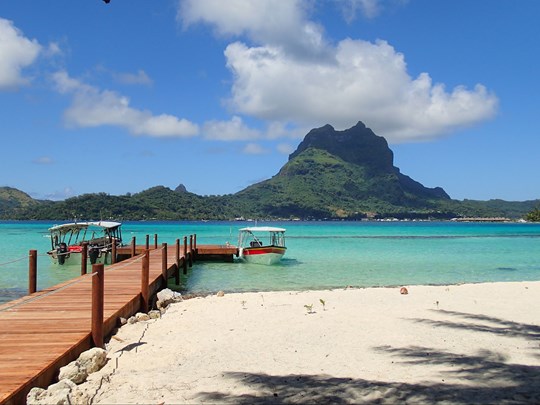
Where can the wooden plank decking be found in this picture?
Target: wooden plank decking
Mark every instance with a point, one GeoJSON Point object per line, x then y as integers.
{"type": "Point", "coordinates": [44, 331]}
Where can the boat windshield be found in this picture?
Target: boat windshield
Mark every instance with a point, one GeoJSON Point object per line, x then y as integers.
{"type": "Point", "coordinates": [256, 237]}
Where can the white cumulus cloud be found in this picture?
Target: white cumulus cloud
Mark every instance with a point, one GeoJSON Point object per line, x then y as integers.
{"type": "Point", "coordinates": [232, 130]}
{"type": "Point", "coordinates": [92, 107]}
{"type": "Point", "coordinates": [364, 81]}
{"type": "Point", "coordinates": [292, 75]}
{"type": "Point", "coordinates": [281, 23]}
{"type": "Point", "coordinates": [16, 53]}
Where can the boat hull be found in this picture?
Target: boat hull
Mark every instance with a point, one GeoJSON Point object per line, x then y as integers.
{"type": "Point", "coordinates": [263, 255]}
{"type": "Point", "coordinates": [74, 258]}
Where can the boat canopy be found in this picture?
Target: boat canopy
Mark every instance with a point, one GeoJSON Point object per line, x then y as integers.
{"type": "Point", "coordinates": [82, 225]}
{"type": "Point", "coordinates": [262, 229]}
{"type": "Point", "coordinates": [258, 236]}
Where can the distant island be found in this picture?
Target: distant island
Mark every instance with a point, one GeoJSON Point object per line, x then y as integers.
{"type": "Point", "coordinates": [346, 175]}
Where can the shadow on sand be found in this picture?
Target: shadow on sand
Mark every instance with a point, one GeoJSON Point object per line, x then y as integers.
{"type": "Point", "coordinates": [486, 377]}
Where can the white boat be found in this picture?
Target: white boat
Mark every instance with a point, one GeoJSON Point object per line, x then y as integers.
{"type": "Point", "coordinates": [262, 244]}
{"type": "Point", "coordinates": [67, 242]}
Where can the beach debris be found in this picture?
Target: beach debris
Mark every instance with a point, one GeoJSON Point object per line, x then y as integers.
{"type": "Point", "coordinates": [220, 294]}
{"type": "Point", "coordinates": [122, 321]}
{"type": "Point", "coordinates": [403, 291]}
{"type": "Point", "coordinates": [141, 317]}
{"type": "Point", "coordinates": [63, 392]}
{"type": "Point", "coordinates": [323, 303]}
{"type": "Point", "coordinates": [309, 308]}
{"type": "Point", "coordinates": [166, 297]}
{"type": "Point", "coordinates": [88, 362]}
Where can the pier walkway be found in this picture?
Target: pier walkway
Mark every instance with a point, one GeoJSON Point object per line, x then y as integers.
{"type": "Point", "coordinates": [46, 330]}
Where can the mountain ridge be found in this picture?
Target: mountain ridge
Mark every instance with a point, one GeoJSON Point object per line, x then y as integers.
{"type": "Point", "coordinates": [361, 146]}
{"type": "Point", "coordinates": [347, 174]}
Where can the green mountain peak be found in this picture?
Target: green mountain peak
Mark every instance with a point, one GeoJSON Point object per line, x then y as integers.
{"type": "Point", "coordinates": [357, 145]}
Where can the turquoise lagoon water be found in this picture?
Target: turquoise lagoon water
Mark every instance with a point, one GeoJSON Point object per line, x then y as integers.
{"type": "Point", "coordinates": [320, 254]}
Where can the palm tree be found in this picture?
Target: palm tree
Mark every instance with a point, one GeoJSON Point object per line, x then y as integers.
{"type": "Point", "coordinates": [534, 215]}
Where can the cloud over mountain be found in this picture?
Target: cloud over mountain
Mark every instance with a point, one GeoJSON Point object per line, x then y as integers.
{"type": "Point", "coordinates": [285, 70]}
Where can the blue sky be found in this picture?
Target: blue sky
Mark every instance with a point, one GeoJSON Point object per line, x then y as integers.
{"type": "Point", "coordinates": [214, 94]}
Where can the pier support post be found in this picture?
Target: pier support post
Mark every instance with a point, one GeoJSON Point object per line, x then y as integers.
{"type": "Point", "coordinates": [164, 264]}
{"type": "Point", "coordinates": [113, 251]}
{"type": "Point", "coordinates": [133, 246]}
{"type": "Point", "coordinates": [184, 264]}
{"type": "Point", "coordinates": [98, 287]}
{"type": "Point", "coordinates": [177, 269]}
{"type": "Point", "coordinates": [145, 280]}
{"type": "Point", "coordinates": [84, 258]}
{"type": "Point", "coordinates": [190, 250]}
{"type": "Point", "coordinates": [32, 272]}
{"type": "Point", "coordinates": [195, 247]}
{"type": "Point", "coordinates": [155, 241]}
{"type": "Point", "coordinates": [147, 243]}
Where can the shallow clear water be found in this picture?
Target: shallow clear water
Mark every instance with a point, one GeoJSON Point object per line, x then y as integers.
{"type": "Point", "coordinates": [320, 254]}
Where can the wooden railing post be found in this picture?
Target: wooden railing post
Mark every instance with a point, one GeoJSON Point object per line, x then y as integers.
{"type": "Point", "coordinates": [32, 272]}
{"type": "Point", "coordinates": [155, 241]}
{"type": "Point", "coordinates": [113, 251]}
{"type": "Point", "coordinates": [164, 264]}
{"type": "Point", "coordinates": [195, 246]}
{"type": "Point", "coordinates": [190, 250]}
{"type": "Point", "coordinates": [147, 243]}
{"type": "Point", "coordinates": [84, 258]}
{"type": "Point", "coordinates": [98, 288]}
{"type": "Point", "coordinates": [184, 264]}
{"type": "Point", "coordinates": [177, 269]}
{"type": "Point", "coordinates": [145, 280]}
{"type": "Point", "coordinates": [133, 247]}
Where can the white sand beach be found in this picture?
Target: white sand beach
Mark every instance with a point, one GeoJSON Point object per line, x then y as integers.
{"type": "Point", "coordinates": [475, 343]}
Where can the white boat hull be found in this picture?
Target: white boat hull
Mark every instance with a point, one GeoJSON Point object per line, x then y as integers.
{"type": "Point", "coordinates": [262, 255]}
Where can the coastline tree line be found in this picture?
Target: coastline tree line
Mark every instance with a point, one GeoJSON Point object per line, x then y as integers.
{"type": "Point", "coordinates": [162, 203]}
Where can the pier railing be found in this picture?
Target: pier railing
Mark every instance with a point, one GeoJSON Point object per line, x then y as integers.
{"type": "Point", "coordinates": [183, 258]}
{"type": "Point", "coordinates": [109, 292]}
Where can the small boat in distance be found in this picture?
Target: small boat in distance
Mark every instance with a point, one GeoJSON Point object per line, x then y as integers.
{"type": "Point", "coordinates": [262, 244]}
{"type": "Point", "coordinates": [67, 241]}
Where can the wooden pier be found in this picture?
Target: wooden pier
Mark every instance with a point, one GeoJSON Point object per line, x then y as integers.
{"type": "Point", "coordinates": [48, 329]}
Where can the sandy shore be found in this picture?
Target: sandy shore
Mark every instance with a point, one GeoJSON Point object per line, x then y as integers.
{"type": "Point", "coordinates": [476, 343]}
